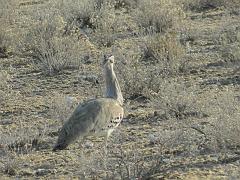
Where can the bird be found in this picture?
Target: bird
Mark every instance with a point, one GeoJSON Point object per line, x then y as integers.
{"type": "Point", "coordinates": [99, 117]}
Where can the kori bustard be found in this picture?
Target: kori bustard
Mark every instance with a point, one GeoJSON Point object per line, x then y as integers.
{"type": "Point", "coordinates": [98, 116]}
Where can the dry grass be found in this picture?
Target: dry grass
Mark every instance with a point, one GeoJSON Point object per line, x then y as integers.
{"type": "Point", "coordinates": [51, 51]}
{"type": "Point", "coordinates": [165, 51]}
{"type": "Point", "coordinates": [157, 16]}
{"type": "Point", "coordinates": [5, 87]}
{"type": "Point", "coordinates": [61, 106]}
{"type": "Point", "coordinates": [177, 100]}
{"type": "Point", "coordinates": [205, 5]}
{"type": "Point", "coordinates": [7, 14]}
{"type": "Point", "coordinates": [176, 121]}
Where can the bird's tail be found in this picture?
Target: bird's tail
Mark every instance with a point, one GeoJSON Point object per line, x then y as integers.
{"type": "Point", "coordinates": [62, 141]}
{"type": "Point", "coordinates": [60, 146]}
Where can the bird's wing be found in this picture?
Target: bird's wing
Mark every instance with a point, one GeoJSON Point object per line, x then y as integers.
{"type": "Point", "coordinates": [111, 114]}
{"type": "Point", "coordinates": [92, 116]}
{"type": "Point", "coordinates": [80, 123]}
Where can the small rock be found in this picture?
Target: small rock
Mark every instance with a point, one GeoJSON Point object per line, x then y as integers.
{"type": "Point", "coordinates": [89, 78]}
{"type": "Point", "coordinates": [153, 139]}
{"type": "Point", "coordinates": [88, 144]}
{"type": "Point", "coordinates": [2, 152]}
{"type": "Point", "coordinates": [42, 172]}
{"type": "Point", "coordinates": [10, 171]}
{"type": "Point", "coordinates": [26, 172]}
{"type": "Point", "coordinates": [88, 60]}
{"type": "Point", "coordinates": [70, 101]}
{"type": "Point", "coordinates": [6, 122]}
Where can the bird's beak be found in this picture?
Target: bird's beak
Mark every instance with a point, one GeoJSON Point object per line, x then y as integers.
{"type": "Point", "coordinates": [111, 58]}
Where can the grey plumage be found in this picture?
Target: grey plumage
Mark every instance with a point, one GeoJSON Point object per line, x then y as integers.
{"type": "Point", "coordinates": [97, 116]}
{"type": "Point", "coordinates": [113, 89]}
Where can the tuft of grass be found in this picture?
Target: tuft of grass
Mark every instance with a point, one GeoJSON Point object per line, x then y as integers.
{"type": "Point", "coordinates": [7, 17]}
{"type": "Point", "coordinates": [112, 25]}
{"type": "Point", "coordinates": [24, 140]}
{"type": "Point", "coordinates": [50, 49]}
{"type": "Point", "coordinates": [61, 106]}
{"type": "Point", "coordinates": [79, 14]}
{"type": "Point", "coordinates": [205, 5]}
{"type": "Point", "coordinates": [166, 52]}
{"type": "Point", "coordinates": [145, 63]}
{"type": "Point", "coordinates": [223, 110]}
{"type": "Point", "coordinates": [231, 55]}
{"type": "Point", "coordinates": [177, 101]}
{"type": "Point", "coordinates": [157, 16]}
{"type": "Point", "coordinates": [10, 167]}
{"type": "Point", "coordinates": [4, 44]}
{"type": "Point", "coordinates": [5, 87]}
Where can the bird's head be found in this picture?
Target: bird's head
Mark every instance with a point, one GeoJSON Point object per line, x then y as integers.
{"type": "Point", "coordinates": [108, 60]}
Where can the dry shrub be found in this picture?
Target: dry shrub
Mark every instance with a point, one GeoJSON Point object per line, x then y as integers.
{"type": "Point", "coordinates": [117, 163]}
{"type": "Point", "coordinates": [202, 122]}
{"type": "Point", "coordinates": [136, 79]}
{"type": "Point", "coordinates": [106, 22]}
{"type": "Point", "coordinates": [112, 26]}
{"type": "Point", "coordinates": [4, 43]}
{"type": "Point", "coordinates": [144, 63]}
{"type": "Point", "coordinates": [7, 11]}
{"type": "Point", "coordinates": [7, 18]}
{"type": "Point", "coordinates": [231, 55]}
{"type": "Point", "coordinates": [126, 4]}
{"type": "Point", "coordinates": [229, 40]}
{"type": "Point", "coordinates": [129, 163]}
{"type": "Point", "coordinates": [223, 110]}
{"type": "Point", "coordinates": [157, 16]}
{"type": "Point", "coordinates": [9, 165]}
{"type": "Point", "coordinates": [19, 142]}
{"type": "Point", "coordinates": [204, 5]}
{"type": "Point", "coordinates": [176, 100]}
{"type": "Point", "coordinates": [5, 87]}
{"type": "Point", "coordinates": [25, 139]}
{"type": "Point", "coordinates": [129, 70]}
{"type": "Point", "coordinates": [100, 21]}
{"type": "Point", "coordinates": [78, 14]}
{"type": "Point", "coordinates": [61, 106]}
{"type": "Point", "coordinates": [166, 52]}
{"type": "Point", "coordinates": [51, 50]}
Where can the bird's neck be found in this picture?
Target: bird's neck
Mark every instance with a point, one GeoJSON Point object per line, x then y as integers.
{"type": "Point", "coordinates": [112, 86]}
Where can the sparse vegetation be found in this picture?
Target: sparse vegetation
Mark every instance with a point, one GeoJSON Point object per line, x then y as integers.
{"type": "Point", "coordinates": [157, 16]}
{"type": "Point", "coordinates": [61, 106]}
{"type": "Point", "coordinates": [205, 5]}
{"type": "Point", "coordinates": [178, 67]}
{"type": "Point", "coordinates": [5, 88]}
{"type": "Point", "coordinates": [49, 48]}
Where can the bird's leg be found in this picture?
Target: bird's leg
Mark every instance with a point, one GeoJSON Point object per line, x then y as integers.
{"type": "Point", "coordinates": [82, 140]}
{"type": "Point", "coordinates": [105, 156]}
{"type": "Point", "coordinates": [109, 132]}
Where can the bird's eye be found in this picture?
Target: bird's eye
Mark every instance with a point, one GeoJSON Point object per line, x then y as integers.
{"type": "Point", "coordinates": [111, 59]}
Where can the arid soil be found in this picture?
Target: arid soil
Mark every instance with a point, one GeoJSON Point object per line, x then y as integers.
{"type": "Point", "coordinates": [200, 142]}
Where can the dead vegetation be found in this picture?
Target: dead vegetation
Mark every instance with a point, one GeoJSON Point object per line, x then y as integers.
{"type": "Point", "coordinates": [178, 62]}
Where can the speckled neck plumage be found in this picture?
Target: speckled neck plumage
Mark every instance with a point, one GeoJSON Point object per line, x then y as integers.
{"type": "Point", "coordinates": [112, 86]}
